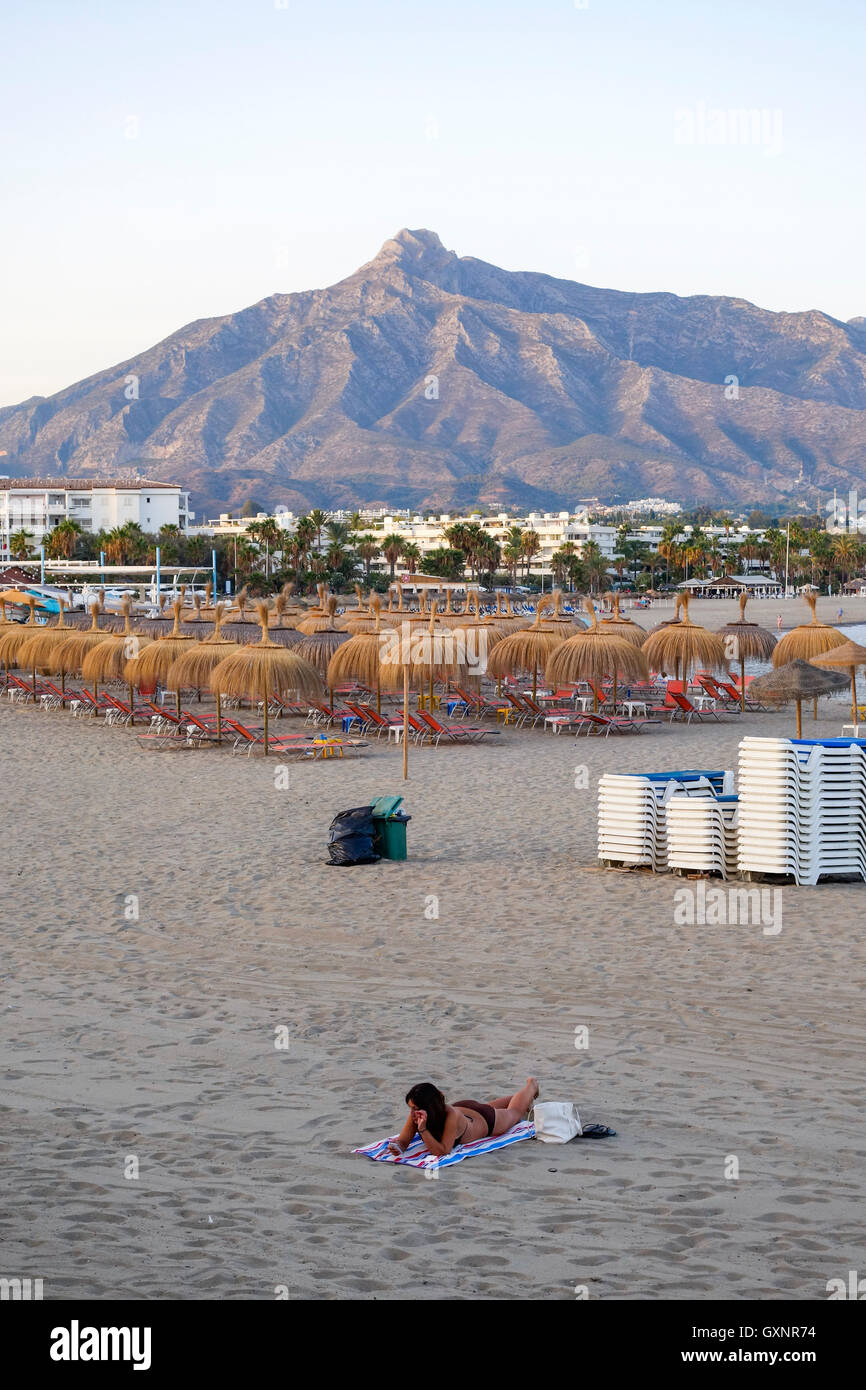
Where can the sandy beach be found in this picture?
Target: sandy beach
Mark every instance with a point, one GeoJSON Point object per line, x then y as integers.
{"type": "Point", "coordinates": [154, 1039]}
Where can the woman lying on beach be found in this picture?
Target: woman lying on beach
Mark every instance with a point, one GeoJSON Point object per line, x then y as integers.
{"type": "Point", "coordinates": [442, 1126]}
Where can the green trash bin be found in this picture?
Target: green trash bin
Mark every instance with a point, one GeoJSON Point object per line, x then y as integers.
{"type": "Point", "coordinates": [389, 825]}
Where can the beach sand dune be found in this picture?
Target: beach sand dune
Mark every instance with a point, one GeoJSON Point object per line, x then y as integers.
{"type": "Point", "coordinates": [472, 964]}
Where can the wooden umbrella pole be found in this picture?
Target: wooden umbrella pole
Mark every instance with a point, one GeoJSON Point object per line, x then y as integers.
{"type": "Point", "coordinates": [266, 723]}
{"type": "Point", "coordinates": [815, 709]}
{"type": "Point", "coordinates": [405, 722]}
{"type": "Point", "coordinates": [742, 683]}
{"type": "Point", "coordinates": [131, 704]}
{"type": "Point", "coordinates": [854, 695]}
{"type": "Point", "coordinates": [799, 720]}
{"type": "Point", "coordinates": [534, 679]}
{"type": "Point", "coordinates": [219, 715]}
{"type": "Point", "coordinates": [177, 693]}
{"type": "Point", "coordinates": [378, 695]}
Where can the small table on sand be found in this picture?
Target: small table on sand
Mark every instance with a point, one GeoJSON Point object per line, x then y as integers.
{"type": "Point", "coordinates": [634, 707]}
{"type": "Point", "coordinates": [556, 721]}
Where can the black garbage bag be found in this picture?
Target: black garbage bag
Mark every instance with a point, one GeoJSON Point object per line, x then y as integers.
{"type": "Point", "coordinates": [350, 837]}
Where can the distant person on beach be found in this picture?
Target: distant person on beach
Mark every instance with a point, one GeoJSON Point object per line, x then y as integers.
{"type": "Point", "coordinates": [779, 623]}
{"type": "Point", "coordinates": [839, 616]}
{"type": "Point", "coordinates": [442, 1126]}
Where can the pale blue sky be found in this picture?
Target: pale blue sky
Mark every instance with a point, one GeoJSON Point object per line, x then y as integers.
{"type": "Point", "coordinates": [277, 148]}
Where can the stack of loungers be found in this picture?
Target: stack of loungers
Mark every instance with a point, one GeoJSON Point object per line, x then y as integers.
{"type": "Point", "coordinates": [633, 812]}
{"type": "Point", "coordinates": [802, 808]}
{"type": "Point", "coordinates": [702, 834]}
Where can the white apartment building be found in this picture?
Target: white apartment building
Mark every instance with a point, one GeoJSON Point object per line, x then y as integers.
{"type": "Point", "coordinates": [38, 505]}
{"type": "Point", "coordinates": [553, 529]}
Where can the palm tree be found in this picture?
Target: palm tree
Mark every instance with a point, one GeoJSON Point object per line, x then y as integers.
{"type": "Point", "coordinates": [488, 554]}
{"type": "Point", "coordinates": [62, 542]}
{"type": "Point", "coordinates": [318, 519]}
{"type": "Point", "coordinates": [392, 548]}
{"type": "Point", "coordinates": [246, 554]}
{"type": "Point", "coordinates": [411, 553]}
{"type": "Point", "coordinates": [271, 535]}
{"type": "Point", "coordinates": [305, 534]}
{"type": "Point", "coordinates": [512, 550]}
{"type": "Point", "coordinates": [195, 550]}
{"type": "Point", "coordinates": [530, 545]}
{"type": "Point", "coordinates": [652, 562]}
{"type": "Point", "coordinates": [566, 564]}
{"type": "Point", "coordinates": [847, 552]}
{"type": "Point", "coordinates": [748, 552]}
{"type": "Point", "coordinates": [20, 544]}
{"type": "Point", "coordinates": [368, 548]}
{"type": "Point", "coordinates": [595, 565]}
{"type": "Point", "coordinates": [669, 546]}
{"type": "Point", "coordinates": [338, 531]}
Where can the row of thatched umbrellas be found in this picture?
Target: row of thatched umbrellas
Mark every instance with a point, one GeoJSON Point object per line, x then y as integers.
{"type": "Point", "coordinates": [300, 652]}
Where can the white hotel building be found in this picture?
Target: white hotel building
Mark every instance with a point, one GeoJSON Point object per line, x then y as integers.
{"type": "Point", "coordinates": [553, 529]}
{"type": "Point", "coordinates": [38, 505]}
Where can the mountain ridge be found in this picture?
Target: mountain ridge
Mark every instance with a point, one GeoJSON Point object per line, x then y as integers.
{"type": "Point", "coordinates": [429, 379]}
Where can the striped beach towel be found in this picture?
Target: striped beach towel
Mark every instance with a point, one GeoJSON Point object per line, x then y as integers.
{"type": "Point", "coordinates": [416, 1156]}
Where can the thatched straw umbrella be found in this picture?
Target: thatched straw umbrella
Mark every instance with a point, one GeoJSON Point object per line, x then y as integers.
{"type": "Point", "coordinates": [34, 652]}
{"type": "Point", "coordinates": [360, 613]}
{"type": "Point", "coordinates": [265, 669]}
{"type": "Point", "coordinates": [153, 664]}
{"type": "Point", "coordinates": [594, 656]}
{"type": "Point", "coordinates": [526, 650]}
{"type": "Point", "coordinates": [808, 640]}
{"type": "Point", "coordinates": [323, 622]}
{"type": "Point", "coordinates": [16, 636]}
{"type": "Point", "coordinates": [159, 626]}
{"type": "Point", "coordinates": [416, 657]}
{"type": "Point", "coordinates": [359, 657]}
{"type": "Point", "coordinates": [69, 655]}
{"type": "Point", "coordinates": [369, 619]}
{"type": "Point", "coordinates": [668, 622]}
{"type": "Point", "coordinates": [627, 628]}
{"type": "Point", "coordinates": [797, 681]}
{"type": "Point", "coordinates": [476, 637]}
{"type": "Point", "coordinates": [845, 658]}
{"type": "Point", "coordinates": [685, 646]}
{"type": "Point", "coordinates": [195, 666]}
{"type": "Point", "coordinates": [6, 625]}
{"type": "Point", "coordinates": [115, 656]}
{"type": "Point", "coordinates": [237, 626]}
{"type": "Point", "coordinates": [37, 652]}
{"type": "Point", "coordinates": [566, 626]}
{"type": "Point", "coordinates": [747, 641]}
{"type": "Point", "coordinates": [323, 637]}
{"type": "Point", "coordinates": [396, 615]}
{"type": "Point", "coordinates": [506, 616]}
{"type": "Point", "coordinates": [195, 623]}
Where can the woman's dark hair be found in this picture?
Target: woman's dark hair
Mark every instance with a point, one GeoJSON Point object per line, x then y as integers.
{"type": "Point", "coordinates": [428, 1097]}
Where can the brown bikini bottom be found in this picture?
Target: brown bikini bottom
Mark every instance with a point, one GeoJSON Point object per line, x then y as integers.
{"type": "Point", "coordinates": [487, 1113]}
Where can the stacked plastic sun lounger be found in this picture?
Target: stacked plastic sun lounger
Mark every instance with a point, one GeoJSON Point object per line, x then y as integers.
{"type": "Point", "coordinates": [633, 813]}
{"type": "Point", "coordinates": [702, 834]}
{"type": "Point", "coordinates": [802, 808]}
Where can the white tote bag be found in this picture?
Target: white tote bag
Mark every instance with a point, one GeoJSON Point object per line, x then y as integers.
{"type": "Point", "coordinates": [556, 1121]}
